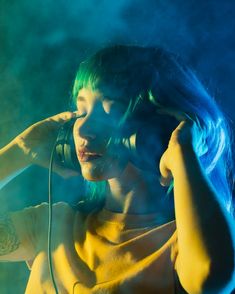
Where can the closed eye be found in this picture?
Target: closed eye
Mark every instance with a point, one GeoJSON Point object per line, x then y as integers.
{"type": "Point", "coordinates": [113, 106]}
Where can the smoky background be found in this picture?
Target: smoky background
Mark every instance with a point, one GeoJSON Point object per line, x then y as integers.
{"type": "Point", "coordinates": [42, 44]}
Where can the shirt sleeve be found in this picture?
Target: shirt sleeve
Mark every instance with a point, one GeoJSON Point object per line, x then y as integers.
{"type": "Point", "coordinates": [20, 232]}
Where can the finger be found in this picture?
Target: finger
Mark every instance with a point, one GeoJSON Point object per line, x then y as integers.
{"type": "Point", "coordinates": [166, 182]}
{"type": "Point", "coordinates": [182, 125]}
{"type": "Point", "coordinates": [62, 117]}
{"type": "Point", "coordinates": [165, 174]}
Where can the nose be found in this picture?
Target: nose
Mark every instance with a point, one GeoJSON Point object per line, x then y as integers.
{"type": "Point", "coordinates": [85, 128]}
{"type": "Point", "coordinates": [94, 124]}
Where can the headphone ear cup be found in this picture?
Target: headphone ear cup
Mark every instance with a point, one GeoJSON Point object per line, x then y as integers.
{"type": "Point", "coordinates": [151, 140]}
{"type": "Point", "coordinates": [65, 147]}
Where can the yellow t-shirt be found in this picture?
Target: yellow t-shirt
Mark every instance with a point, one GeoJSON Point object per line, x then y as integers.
{"type": "Point", "coordinates": [99, 253]}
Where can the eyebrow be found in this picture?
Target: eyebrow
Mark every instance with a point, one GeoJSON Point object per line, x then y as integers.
{"type": "Point", "coordinates": [80, 98]}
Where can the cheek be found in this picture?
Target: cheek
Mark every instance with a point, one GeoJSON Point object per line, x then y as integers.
{"type": "Point", "coordinates": [76, 138]}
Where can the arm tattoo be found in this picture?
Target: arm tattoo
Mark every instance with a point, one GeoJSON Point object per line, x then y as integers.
{"type": "Point", "coordinates": [9, 241]}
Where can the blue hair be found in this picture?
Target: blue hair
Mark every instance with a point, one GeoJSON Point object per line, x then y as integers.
{"type": "Point", "coordinates": [164, 82]}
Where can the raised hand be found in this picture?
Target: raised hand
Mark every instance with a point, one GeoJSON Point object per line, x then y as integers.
{"type": "Point", "coordinates": [37, 141]}
{"type": "Point", "coordinates": [187, 137]}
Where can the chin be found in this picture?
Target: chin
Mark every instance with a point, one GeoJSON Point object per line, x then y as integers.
{"type": "Point", "coordinates": [102, 172]}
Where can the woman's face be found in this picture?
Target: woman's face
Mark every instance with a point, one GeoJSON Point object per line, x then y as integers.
{"type": "Point", "coordinates": [99, 120]}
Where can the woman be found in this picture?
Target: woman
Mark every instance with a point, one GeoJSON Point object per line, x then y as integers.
{"type": "Point", "coordinates": [126, 235]}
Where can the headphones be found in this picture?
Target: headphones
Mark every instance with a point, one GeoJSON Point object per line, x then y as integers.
{"type": "Point", "coordinates": [65, 147]}
{"type": "Point", "coordinates": [145, 143]}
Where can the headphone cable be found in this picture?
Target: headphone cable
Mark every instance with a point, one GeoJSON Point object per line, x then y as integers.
{"type": "Point", "coordinates": [50, 214]}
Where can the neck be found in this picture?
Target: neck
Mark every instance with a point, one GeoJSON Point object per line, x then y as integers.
{"type": "Point", "coordinates": [135, 192]}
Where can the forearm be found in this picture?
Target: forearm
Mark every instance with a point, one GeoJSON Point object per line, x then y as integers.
{"type": "Point", "coordinates": [12, 161]}
{"type": "Point", "coordinates": [203, 225]}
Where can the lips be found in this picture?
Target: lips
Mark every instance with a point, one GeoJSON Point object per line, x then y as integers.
{"type": "Point", "coordinates": [84, 155]}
